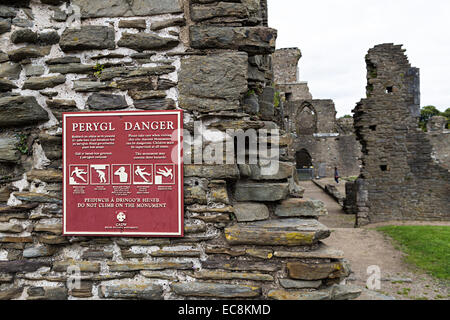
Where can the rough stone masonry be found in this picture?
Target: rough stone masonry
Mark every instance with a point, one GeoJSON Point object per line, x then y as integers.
{"type": "Point", "coordinates": [247, 236]}
{"type": "Point", "coordinates": [399, 178]}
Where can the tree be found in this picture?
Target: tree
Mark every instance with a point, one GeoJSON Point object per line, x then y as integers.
{"type": "Point", "coordinates": [426, 113]}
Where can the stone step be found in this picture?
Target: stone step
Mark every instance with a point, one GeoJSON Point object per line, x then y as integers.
{"type": "Point", "coordinates": [301, 208]}
{"type": "Point", "coordinates": [287, 232]}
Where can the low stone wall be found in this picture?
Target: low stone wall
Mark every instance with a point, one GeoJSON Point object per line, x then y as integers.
{"type": "Point", "coordinates": [247, 235]}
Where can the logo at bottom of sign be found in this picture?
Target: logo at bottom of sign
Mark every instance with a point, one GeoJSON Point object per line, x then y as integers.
{"type": "Point", "coordinates": [120, 223]}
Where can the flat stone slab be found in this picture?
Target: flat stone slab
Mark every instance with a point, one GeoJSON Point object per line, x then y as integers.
{"type": "Point", "coordinates": [198, 289]}
{"type": "Point", "coordinates": [287, 232]}
{"type": "Point", "coordinates": [266, 192]}
{"type": "Point", "coordinates": [255, 40]}
{"type": "Point", "coordinates": [124, 8]}
{"type": "Point", "coordinates": [131, 291]}
{"type": "Point", "coordinates": [87, 38]}
{"type": "Point", "coordinates": [324, 252]}
{"type": "Point", "coordinates": [301, 208]}
{"type": "Point", "coordinates": [249, 212]}
{"type": "Point", "coordinates": [298, 295]}
{"type": "Point", "coordinates": [319, 271]}
{"type": "Point", "coordinates": [20, 111]}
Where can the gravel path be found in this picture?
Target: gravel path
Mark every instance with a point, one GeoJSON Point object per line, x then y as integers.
{"type": "Point", "coordinates": [366, 247]}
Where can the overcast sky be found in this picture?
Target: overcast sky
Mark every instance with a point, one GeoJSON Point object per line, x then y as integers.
{"type": "Point", "coordinates": [335, 35]}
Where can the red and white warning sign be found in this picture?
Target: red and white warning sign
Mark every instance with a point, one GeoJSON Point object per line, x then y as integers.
{"type": "Point", "coordinates": [123, 173]}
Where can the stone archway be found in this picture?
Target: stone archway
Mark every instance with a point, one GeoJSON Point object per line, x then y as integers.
{"type": "Point", "coordinates": [303, 159]}
{"type": "Point", "coordinates": [306, 120]}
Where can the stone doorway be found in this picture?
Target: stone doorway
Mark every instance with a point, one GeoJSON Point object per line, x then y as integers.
{"type": "Point", "coordinates": [303, 159]}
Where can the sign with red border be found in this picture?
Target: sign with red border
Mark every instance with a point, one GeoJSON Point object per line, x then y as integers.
{"type": "Point", "coordinates": [123, 173]}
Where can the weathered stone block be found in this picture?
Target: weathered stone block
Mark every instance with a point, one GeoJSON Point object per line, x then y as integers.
{"type": "Point", "coordinates": [104, 101]}
{"type": "Point", "coordinates": [298, 295]}
{"type": "Point", "coordinates": [274, 170]}
{"type": "Point", "coordinates": [20, 111]}
{"type": "Point", "coordinates": [250, 191]}
{"type": "Point", "coordinates": [22, 265]}
{"type": "Point", "coordinates": [90, 86]}
{"type": "Point", "coordinates": [87, 38]}
{"type": "Point", "coordinates": [63, 60]}
{"type": "Point", "coordinates": [8, 148]}
{"type": "Point", "coordinates": [39, 83]}
{"type": "Point", "coordinates": [155, 104]}
{"type": "Point", "coordinates": [122, 8]}
{"type": "Point", "coordinates": [135, 23]}
{"type": "Point", "coordinates": [85, 266]}
{"type": "Point", "coordinates": [71, 68]}
{"type": "Point", "coordinates": [10, 70]}
{"type": "Point", "coordinates": [55, 228]}
{"type": "Point", "coordinates": [225, 275]}
{"type": "Point", "coordinates": [120, 267]}
{"type": "Point", "coordinates": [158, 25]}
{"type": "Point", "coordinates": [297, 284]}
{"type": "Point", "coordinates": [301, 208]}
{"type": "Point", "coordinates": [28, 53]}
{"type": "Point", "coordinates": [23, 36]}
{"type": "Point", "coordinates": [305, 271]}
{"type": "Point", "coordinates": [37, 197]}
{"type": "Point", "coordinates": [214, 82]}
{"type": "Point", "coordinates": [254, 40]}
{"type": "Point", "coordinates": [198, 289]}
{"type": "Point", "coordinates": [248, 212]}
{"type": "Point", "coordinates": [288, 232]}
{"type": "Point", "coordinates": [38, 251]}
{"type": "Point", "coordinates": [6, 85]}
{"type": "Point", "coordinates": [58, 106]}
{"type": "Point", "coordinates": [10, 228]}
{"type": "Point", "coordinates": [147, 291]}
{"type": "Point", "coordinates": [5, 25]}
{"type": "Point", "coordinates": [34, 71]}
{"type": "Point", "coordinates": [47, 293]}
{"type": "Point", "coordinates": [218, 10]}
{"type": "Point", "coordinates": [146, 41]}
{"type": "Point", "coordinates": [11, 293]}
{"type": "Point", "coordinates": [212, 171]}
{"type": "Point", "coordinates": [48, 175]}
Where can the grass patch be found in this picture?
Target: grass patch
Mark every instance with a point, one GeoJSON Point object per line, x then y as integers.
{"type": "Point", "coordinates": [427, 247]}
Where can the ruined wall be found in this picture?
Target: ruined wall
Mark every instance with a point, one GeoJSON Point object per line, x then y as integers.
{"type": "Point", "coordinates": [439, 137]}
{"type": "Point", "coordinates": [399, 179]}
{"type": "Point", "coordinates": [327, 140]}
{"type": "Point", "coordinates": [248, 232]}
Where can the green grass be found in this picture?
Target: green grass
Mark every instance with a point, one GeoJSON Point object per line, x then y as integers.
{"type": "Point", "coordinates": [427, 247]}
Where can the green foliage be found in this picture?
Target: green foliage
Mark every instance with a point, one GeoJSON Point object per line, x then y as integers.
{"type": "Point", "coordinates": [427, 247]}
{"type": "Point", "coordinates": [277, 99]}
{"type": "Point", "coordinates": [347, 116]}
{"type": "Point", "coordinates": [22, 145]}
{"type": "Point", "coordinates": [98, 69]}
{"type": "Point", "coordinates": [426, 113]}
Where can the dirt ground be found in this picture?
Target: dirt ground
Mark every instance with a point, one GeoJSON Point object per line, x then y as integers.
{"type": "Point", "coordinates": [366, 247]}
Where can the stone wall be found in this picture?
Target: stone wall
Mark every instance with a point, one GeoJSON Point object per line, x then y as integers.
{"type": "Point", "coordinates": [399, 178]}
{"type": "Point", "coordinates": [248, 232]}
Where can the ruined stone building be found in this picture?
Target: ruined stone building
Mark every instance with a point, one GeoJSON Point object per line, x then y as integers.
{"type": "Point", "coordinates": [439, 137]}
{"type": "Point", "coordinates": [400, 179]}
{"type": "Point", "coordinates": [248, 234]}
{"type": "Point", "coordinates": [321, 140]}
